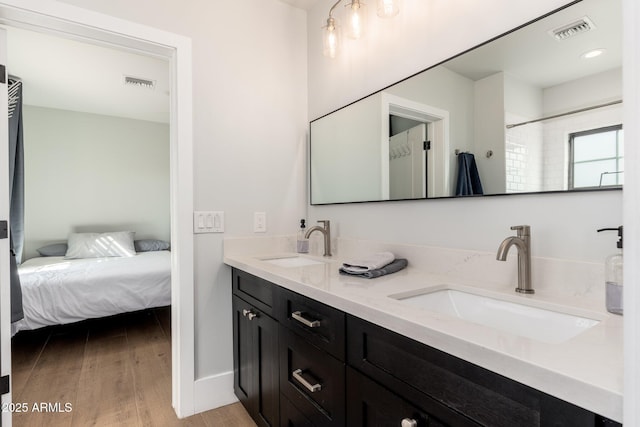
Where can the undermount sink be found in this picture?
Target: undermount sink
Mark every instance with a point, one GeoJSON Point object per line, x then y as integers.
{"type": "Point", "coordinates": [291, 261]}
{"type": "Point", "coordinates": [520, 319]}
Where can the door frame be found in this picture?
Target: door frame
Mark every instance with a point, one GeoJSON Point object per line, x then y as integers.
{"type": "Point", "coordinates": [438, 123]}
{"type": "Point", "coordinates": [416, 151]}
{"type": "Point", "coordinates": [5, 267]}
{"type": "Point", "coordinates": [93, 27]}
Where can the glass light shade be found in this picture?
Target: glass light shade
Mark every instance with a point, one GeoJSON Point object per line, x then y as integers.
{"type": "Point", "coordinates": [330, 39]}
{"type": "Point", "coordinates": [356, 18]}
{"type": "Point", "coordinates": [388, 8]}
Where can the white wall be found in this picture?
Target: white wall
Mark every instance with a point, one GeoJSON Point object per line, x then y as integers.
{"type": "Point", "coordinates": [250, 126]}
{"type": "Point", "coordinates": [489, 132]}
{"type": "Point", "coordinates": [563, 225]}
{"type": "Point", "coordinates": [347, 164]}
{"type": "Point", "coordinates": [632, 212]}
{"type": "Point", "coordinates": [603, 87]}
{"type": "Point", "coordinates": [88, 172]}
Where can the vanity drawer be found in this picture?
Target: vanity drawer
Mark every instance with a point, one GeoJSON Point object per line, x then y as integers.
{"type": "Point", "coordinates": [320, 324]}
{"type": "Point", "coordinates": [290, 416]}
{"type": "Point", "coordinates": [254, 290]}
{"type": "Point", "coordinates": [314, 381]}
{"type": "Point", "coordinates": [371, 405]}
{"type": "Point", "coordinates": [411, 369]}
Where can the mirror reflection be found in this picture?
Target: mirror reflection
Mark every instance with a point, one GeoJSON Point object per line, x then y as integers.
{"type": "Point", "coordinates": [536, 110]}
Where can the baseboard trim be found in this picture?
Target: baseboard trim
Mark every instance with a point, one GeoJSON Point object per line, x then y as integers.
{"type": "Point", "coordinates": [213, 392]}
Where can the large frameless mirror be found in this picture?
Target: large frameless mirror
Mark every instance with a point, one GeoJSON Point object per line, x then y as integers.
{"type": "Point", "coordinates": [536, 110]}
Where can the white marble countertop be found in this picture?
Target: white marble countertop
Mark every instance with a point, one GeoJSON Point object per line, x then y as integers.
{"type": "Point", "coordinates": [586, 370]}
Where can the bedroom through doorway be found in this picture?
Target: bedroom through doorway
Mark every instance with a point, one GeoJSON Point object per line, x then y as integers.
{"type": "Point", "coordinates": [105, 30]}
{"type": "Point", "coordinates": [97, 166]}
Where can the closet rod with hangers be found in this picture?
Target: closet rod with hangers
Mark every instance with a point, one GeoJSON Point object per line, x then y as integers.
{"type": "Point", "coordinates": [568, 113]}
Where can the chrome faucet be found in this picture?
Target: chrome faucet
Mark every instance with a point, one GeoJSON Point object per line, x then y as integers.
{"type": "Point", "coordinates": [523, 242]}
{"type": "Point", "coordinates": [326, 232]}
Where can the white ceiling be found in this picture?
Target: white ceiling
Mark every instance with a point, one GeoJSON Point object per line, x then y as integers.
{"type": "Point", "coordinates": [71, 75]}
{"type": "Point", "coordinates": [534, 56]}
{"type": "Point", "coordinates": [302, 4]}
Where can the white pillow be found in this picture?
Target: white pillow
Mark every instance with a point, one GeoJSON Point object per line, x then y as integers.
{"type": "Point", "coordinates": [96, 245]}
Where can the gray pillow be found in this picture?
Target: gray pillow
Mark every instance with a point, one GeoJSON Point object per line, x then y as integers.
{"type": "Point", "coordinates": [148, 245]}
{"type": "Point", "coordinates": [55, 249]}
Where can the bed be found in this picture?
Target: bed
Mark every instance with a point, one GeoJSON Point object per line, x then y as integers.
{"type": "Point", "coordinates": [57, 290]}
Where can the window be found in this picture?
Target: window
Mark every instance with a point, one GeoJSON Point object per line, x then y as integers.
{"type": "Point", "coordinates": [597, 158]}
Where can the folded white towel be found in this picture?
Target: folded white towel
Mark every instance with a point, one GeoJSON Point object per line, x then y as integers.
{"type": "Point", "coordinates": [368, 263]}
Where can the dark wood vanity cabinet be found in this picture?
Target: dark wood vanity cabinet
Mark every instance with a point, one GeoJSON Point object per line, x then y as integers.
{"type": "Point", "coordinates": [371, 405]}
{"type": "Point", "coordinates": [302, 363]}
{"type": "Point", "coordinates": [290, 416]}
{"type": "Point", "coordinates": [319, 324]}
{"type": "Point", "coordinates": [312, 351]}
{"type": "Point", "coordinates": [312, 380]}
{"type": "Point", "coordinates": [454, 391]}
{"type": "Point", "coordinates": [255, 353]}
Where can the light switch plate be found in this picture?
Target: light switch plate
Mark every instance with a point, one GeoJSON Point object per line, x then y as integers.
{"type": "Point", "coordinates": [218, 222]}
{"type": "Point", "coordinates": [208, 222]}
{"type": "Point", "coordinates": [259, 222]}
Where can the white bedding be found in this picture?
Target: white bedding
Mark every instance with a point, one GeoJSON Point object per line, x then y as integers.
{"type": "Point", "coordinates": [58, 291]}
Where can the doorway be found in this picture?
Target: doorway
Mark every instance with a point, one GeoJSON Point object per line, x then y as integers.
{"type": "Point", "coordinates": [408, 159]}
{"type": "Point", "coordinates": [438, 161]}
{"type": "Point", "coordinates": [106, 30]}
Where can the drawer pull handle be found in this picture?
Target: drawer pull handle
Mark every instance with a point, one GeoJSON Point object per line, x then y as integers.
{"type": "Point", "coordinates": [248, 313]}
{"type": "Point", "coordinates": [300, 318]}
{"type": "Point", "coordinates": [297, 374]}
{"type": "Point", "coordinates": [408, 422]}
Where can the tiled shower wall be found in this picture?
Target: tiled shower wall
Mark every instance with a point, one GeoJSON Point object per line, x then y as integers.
{"type": "Point", "coordinates": [537, 154]}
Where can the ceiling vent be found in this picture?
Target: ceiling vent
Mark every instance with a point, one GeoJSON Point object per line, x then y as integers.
{"type": "Point", "coordinates": [138, 82]}
{"type": "Point", "coordinates": [578, 27]}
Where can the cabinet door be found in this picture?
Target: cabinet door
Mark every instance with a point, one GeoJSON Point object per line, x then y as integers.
{"type": "Point", "coordinates": [371, 405]}
{"type": "Point", "coordinates": [255, 363]}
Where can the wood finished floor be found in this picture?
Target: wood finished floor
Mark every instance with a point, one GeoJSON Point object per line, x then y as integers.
{"type": "Point", "coordinates": [114, 372]}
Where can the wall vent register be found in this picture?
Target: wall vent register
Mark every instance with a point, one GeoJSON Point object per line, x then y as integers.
{"type": "Point", "coordinates": [570, 30]}
{"type": "Point", "coordinates": [139, 82]}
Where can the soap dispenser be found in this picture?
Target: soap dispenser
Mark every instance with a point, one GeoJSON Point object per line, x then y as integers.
{"type": "Point", "coordinates": [613, 276]}
{"type": "Point", "coordinates": [302, 244]}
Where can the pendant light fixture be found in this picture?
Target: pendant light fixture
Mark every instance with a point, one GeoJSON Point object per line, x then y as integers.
{"type": "Point", "coordinates": [331, 35]}
{"type": "Point", "coordinates": [330, 39]}
{"type": "Point", "coordinates": [388, 8]}
{"type": "Point", "coordinates": [355, 20]}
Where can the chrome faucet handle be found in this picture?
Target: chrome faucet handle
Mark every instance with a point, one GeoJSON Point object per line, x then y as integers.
{"type": "Point", "coordinates": [523, 230]}
{"type": "Point", "coordinates": [325, 222]}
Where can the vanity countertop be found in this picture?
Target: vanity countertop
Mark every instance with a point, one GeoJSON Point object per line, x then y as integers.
{"type": "Point", "coordinates": [586, 370]}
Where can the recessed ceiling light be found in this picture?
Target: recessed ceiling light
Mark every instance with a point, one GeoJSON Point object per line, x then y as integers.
{"type": "Point", "coordinates": [592, 53]}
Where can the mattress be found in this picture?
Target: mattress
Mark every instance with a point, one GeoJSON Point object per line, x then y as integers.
{"type": "Point", "coordinates": [58, 291]}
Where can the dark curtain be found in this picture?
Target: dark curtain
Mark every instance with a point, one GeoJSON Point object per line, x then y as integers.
{"type": "Point", "coordinates": [468, 178]}
{"type": "Point", "coordinates": [16, 189]}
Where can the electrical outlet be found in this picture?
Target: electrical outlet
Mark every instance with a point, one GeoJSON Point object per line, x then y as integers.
{"type": "Point", "coordinates": [259, 222]}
